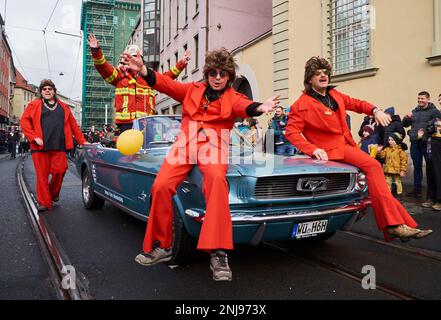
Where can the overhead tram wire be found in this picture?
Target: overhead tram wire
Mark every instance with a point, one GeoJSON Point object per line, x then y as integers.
{"type": "Point", "coordinates": [45, 41]}
{"type": "Point", "coordinates": [18, 59]}
{"type": "Point", "coordinates": [76, 67]}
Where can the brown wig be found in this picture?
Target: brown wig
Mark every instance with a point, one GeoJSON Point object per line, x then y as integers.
{"type": "Point", "coordinates": [312, 65]}
{"type": "Point", "coordinates": [47, 83]}
{"type": "Point", "coordinates": [220, 59]}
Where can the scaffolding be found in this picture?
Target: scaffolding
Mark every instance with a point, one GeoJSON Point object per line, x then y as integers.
{"type": "Point", "coordinates": [110, 21]}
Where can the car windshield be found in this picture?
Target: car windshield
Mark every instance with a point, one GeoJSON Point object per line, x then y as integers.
{"type": "Point", "coordinates": [161, 131]}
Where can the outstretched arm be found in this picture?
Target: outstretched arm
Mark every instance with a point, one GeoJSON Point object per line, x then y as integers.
{"type": "Point", "coordinates": [108, 72]}
{"type": "Point", "coordinates": [179, 67]}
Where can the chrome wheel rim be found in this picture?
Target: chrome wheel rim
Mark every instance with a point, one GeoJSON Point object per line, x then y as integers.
{"type": "Point", "coordinates": [86, 188]}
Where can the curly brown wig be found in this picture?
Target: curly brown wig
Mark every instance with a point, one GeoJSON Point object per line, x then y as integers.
{"type": "Point", "coordinates": [47, 83]}
{"type": "Point", "coordinates": [312, 65]}
{"type": "Point", "coordinates": [220, 59]}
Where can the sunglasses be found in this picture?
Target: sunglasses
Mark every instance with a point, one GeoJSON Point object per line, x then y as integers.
{"type": "Point", "coordinates": [214, 73]}
{"type": "Point", "coordinates": [47, 89]}
{"type": "Point", "coordinates": [324, 71]}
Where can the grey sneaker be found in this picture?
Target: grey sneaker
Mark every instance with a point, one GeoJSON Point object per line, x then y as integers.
{"type": "Point", "coordinates": [428, 203]}
{"type": "Point", "coordinates": [154, 257]}
{"type": "Point", "coordinates": [219, 266]}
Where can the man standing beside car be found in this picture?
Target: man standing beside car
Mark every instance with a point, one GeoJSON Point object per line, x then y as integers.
{"type": "Point", "coordinates": [49, 126]}
{"type": "Point", "coordinates": [317, 126]}
{"type": "Point", "coordinates": [418, 120]}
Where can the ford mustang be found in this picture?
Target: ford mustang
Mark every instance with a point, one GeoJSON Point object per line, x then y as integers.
{"type": "Point", "coordinates": [271, 197]}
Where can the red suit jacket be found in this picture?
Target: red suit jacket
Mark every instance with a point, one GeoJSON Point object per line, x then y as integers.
{"type": "Point", "coordinates": [310, 126]}
{"type": "Point", "coordinates": [30, 123]}
{"type": "Point", "coordinates": [233, 105]}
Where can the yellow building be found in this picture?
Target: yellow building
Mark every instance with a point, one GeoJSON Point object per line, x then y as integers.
{"type": "Point", "coordinates": [23, 94]}
{"type": "Point", "coordinates": [383, 51]}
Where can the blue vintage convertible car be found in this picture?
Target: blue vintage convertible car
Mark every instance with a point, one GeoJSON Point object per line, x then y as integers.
{"type": "Point", "coordinates": [271, 197]}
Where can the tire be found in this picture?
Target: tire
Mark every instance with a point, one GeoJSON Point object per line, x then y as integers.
{"type": "Point", "coordinates": [90, 199]}
{"type": "Point", "coordinates": [184, 245]}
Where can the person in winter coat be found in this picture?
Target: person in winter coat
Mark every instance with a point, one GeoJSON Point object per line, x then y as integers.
{"type": "Point", "coordinates": [395, 126]}
{"type": "Point", "coordinates": [49, 125]}
{"type": "Point", "coordinates": [368, 140]}
{"type": "Point", "coordinates": [13, 138]}
{"type": "Point", "coordinates": [434, 166]}
{"type": "Point", "coordinates": [418, 120]}
{"type": "Point", "coordinates": [2, 141]}
{"type": "Point", "coordinates": [134, 98]}
{"type": "Point", "coordinates": [370, 120]}
{"type": "Point", "coordinates": [278, 125]}
{"type": "Point", "coordinates": [395, 165]}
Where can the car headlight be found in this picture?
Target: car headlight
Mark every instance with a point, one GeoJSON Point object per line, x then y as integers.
{"type": "Point", "coordinates": [361, 182]}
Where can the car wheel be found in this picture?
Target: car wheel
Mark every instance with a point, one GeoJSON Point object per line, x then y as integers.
{"type": "Point", "coordinates": [90, 199]}
{"type": "Point", "coordinates": [184, 246]}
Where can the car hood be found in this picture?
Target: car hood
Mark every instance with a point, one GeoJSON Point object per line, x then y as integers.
{"type": "Point", "coordinates": [262, 165]}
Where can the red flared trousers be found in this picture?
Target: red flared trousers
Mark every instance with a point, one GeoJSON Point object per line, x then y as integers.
{"type": "Point", "coordinates": [216, 231]}
{"type": "Point", "coordinates": [388, 210]}
{"type": "Point", "coordinates": [53, 163]}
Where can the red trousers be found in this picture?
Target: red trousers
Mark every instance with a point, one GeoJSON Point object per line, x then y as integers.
{"type": "Point", "coordinates": [217, 229]}
{"type": "Point", "coordinates": [53, 163]}
{"type": "Point", "coordinates": [388, 210]}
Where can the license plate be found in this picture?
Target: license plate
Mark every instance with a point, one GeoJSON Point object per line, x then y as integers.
{"type": "Point", "coordinates": [308, 229]}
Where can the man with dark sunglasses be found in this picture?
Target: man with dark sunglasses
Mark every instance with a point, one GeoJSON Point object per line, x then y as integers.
{"type": "Point", "coordinates": [49, 125]}
{"type": "Point", "coordinates": [209, 110]}
{"type": "Point", "coordinates": [317, 126]}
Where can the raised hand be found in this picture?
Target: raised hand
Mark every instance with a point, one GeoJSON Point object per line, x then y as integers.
{"type": "Point", "coordinates": [382, 118]}
{"type": "Point", "coordinates": [186, 57]}
{"type": "Point", "coordinates": [269, 105]}
{"type": "Point", "coordinates": [320, 154]}
{"type": "Point", "coordinates": [133, 63]}
{"type": "Point", "coordinates": [92, 41]}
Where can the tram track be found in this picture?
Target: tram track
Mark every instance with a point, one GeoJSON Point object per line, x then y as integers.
{"type": "Point", "coordinates": [67, 286]}
{"type": "Point", "coordinates": [343, 271]}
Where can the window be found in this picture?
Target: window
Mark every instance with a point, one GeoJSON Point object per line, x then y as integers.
{"type": "Point", "coordinates": [350, 34]}
{"type": "Point", "coordinates": [176, 57]}
{"type": "Point", "coordinates": [177, 17]}
{"type": "Point", "coordinates": [196, 51]}
{"type": "Point", "coordinates": [197, 6]}
{"type": "Point", "coordinates": [185, 49]}
{"type": "Point", "coordinates": [169, 20]}
{"type": "Point", "coordinates": [186, 11]}
{"type": "Point", "coordinates": [168, 64]}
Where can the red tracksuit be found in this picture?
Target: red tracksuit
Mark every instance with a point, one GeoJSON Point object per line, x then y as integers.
{"type": "Point", "coordinates": [312, 125]}
{"type": "Point", "coordinates": [47, 163]}
{"type": "Point", "coordinates": [216, 231]}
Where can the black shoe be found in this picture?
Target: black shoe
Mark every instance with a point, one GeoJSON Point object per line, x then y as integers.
{"type": "Point", "coordinates": [56, 199]}
{"type": "Point", "coordinates": [42, 208]}
{"type": "Point", "coordinates": [414, 193]}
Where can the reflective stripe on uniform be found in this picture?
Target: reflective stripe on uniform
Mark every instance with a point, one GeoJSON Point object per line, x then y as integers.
{"type": "Point", "coordinates": [112, 77]}
{"type": "Point", "coordinates": [124, 91]}
{"type": "Point", "coordinates": [175, 71]}
{"type": "Point", "coordinates": [100, 61]}
{"type": "Point", "coordinates": [123, 116]}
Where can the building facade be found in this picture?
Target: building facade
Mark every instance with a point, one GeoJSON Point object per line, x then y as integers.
{"type": "Point", "coordinates": [7, 78]}
{"type": "Point", "coordinates": [23, 94]}
{"type": "Point", "coordinates": [112, 22]}
{"type": "Point", "coordinates": [204, 25]}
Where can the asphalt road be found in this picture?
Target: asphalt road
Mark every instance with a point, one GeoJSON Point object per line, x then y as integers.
{"type": "Point", "coordinates": [102, 245]}
{"type": "Point", "coordinates": [23, 272]}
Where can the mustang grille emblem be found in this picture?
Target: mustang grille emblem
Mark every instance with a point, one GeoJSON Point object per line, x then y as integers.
{"type": "Point", "coordinates": [312, 184]}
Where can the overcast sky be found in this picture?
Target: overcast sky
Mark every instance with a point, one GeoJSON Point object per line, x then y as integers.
{"type": "Point", "coordinates": [25, 21]}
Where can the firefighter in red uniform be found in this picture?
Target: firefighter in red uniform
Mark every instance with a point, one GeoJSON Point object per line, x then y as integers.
{"type": "Point", "coordinates": [317, 126]}
{"type": "Point", "coordinates": [133, 96]}
{"type": "Point", "coordinates": [209, 110]}
{"type": "Point", "coordinates": [49, 125]}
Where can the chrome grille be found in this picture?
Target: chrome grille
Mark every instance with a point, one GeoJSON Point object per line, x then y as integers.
{"type": "Point", "coordinates": [280, 187]}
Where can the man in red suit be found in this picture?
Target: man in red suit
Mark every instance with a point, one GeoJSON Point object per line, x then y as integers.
{"type": "Point", "coordinates": [209, 110]}
{"type": "Point", "coordinates": [317, 126]}
{"type": "Point", "coordinates": [49, 125]}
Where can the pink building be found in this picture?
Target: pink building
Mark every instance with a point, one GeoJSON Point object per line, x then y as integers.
{"type": "Point", "coordinates": [204, 25]}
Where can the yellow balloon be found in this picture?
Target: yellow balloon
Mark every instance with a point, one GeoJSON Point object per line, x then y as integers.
{"type": "Point", "coordinates": [129, 142]}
